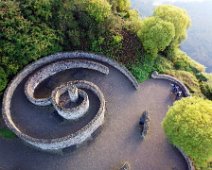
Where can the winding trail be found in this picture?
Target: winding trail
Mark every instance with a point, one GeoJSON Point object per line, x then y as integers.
{"type": "Point", "coordinates": [119, 139]}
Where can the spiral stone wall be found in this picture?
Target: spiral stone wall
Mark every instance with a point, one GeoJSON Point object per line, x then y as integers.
{"type": "Point", "coordinates": [53, 69]}
{"type": "Point", "coordinates": [49, 66]}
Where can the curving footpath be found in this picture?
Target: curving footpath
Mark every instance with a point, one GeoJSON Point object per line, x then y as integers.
{"type": "Point", "coordinates": [186, 93]}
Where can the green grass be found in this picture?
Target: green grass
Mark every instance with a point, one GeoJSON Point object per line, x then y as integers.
{"type": "Point", "coordinates": [6, 133]}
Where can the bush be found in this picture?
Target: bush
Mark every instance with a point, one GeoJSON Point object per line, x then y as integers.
{"type": "Point", "coordinates": [183, 62]}
{"type": "Point", "coordinates": [188, 79]}
{"type": "Point", "coordinates": [178, 17]}
{"type": "Point", "coordinates": [116, 39]}
{"type": "Point", "coordinates": [96, 44]}
{"type": "Point", "coordinates": [98, 9]}
{"type": "Point", "coordinates": [143, 69]}
{"type": "Point", "coordinates": [36, 10]}
{"type": "Point", "coordinates": [188, 126]}
{"type": "Point", "coordinates": [206, 87]}
{"type": "Point", "coordinates": [3, 80]}
{"type": "Point", "coordinates": [6, 133]}
{"type": "Point", "coordinates": [134, 22]}
{"type": "Point", "coordinates": [156, 35]}
{"type": "Point", "coordinates": [162, 64]}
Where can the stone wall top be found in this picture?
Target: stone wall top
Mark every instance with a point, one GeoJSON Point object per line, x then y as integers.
{"type": "Point", "coordinates": [184, 89]}
{"type": "Point", "coordinates": [52, 69]}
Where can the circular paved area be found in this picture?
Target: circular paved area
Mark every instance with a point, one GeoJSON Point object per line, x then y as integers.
{"type": "Point", "coordinates": [119, 139]}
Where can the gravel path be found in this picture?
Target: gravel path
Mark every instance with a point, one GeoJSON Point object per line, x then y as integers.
{"type": "Point", "coordinates": [119, 139]}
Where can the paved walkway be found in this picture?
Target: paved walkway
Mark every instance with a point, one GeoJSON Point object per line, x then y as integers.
{"type": "Point", "coordinates": [119, 139]}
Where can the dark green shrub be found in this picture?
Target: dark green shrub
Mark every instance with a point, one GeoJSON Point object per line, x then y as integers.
{"type": "Point", "coordinates": [206, 87]}
{"type": "Point", "coordinates": [36, 10]}
{"type": "Point", "coordinates": [96, 44]}
{"type": "Point", "coordinates": [143, 69]}
{"type": "Point", "coordinates": [162, 64]}
{"type": "Point", "coordinates": [3, 80]}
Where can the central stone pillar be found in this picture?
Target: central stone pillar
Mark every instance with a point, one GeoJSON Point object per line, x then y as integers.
{"type": "Point", "coordinates": [73, 92]}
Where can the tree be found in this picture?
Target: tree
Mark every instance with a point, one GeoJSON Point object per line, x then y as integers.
{"type": "Point", "coordinates": [21, 41]}
{"type": "Point", "coordinates": [36, 10]}
{"type": "Point", "coordinates": [188, 126]}
{"type": "Point", "coordinates": [133, 22]}
{"type": "Point", "coordinates": [98, 9]}
{"type": "Point", "coordinates": [120, 5]}
{"type": "Point", "coordinates": [156, 34]}
{"type": "Point", "coordinates": [178, 17]}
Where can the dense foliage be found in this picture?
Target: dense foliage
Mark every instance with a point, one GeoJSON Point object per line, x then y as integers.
{"type": "Point", "coordinates": [188, 126]}
{"type": "Point", "coordinates": [156, 35]}
{"type": "Point", "coordinates": [178, 17]}
{"type": "Point", "coordinates": [31, 29]}
{"type": "Point", "coordinates": [206, 86]}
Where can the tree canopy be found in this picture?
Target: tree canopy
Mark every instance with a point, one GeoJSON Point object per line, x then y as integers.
{"type": "Point", "coordinates": [120, 5]}
{"type": "Point", "coordinates": [178, 17]}
{"type": "Point", "coordinates": [188, 126]}
{"type": "Point", "coordinates": [98, 9]}
{"type": "Point", "coordinates": [30, 29]}
{"type": "Point", "coordinates": [156, 34]}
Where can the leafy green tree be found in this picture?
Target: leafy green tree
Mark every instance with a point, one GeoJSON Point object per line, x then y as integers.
{"type": "Point", "coordinates": [36, 10]}
{"type": "Point", "coordinates": [178, 17]}
{"type": "Point", "coordinates": [134, 22]}
{"type": "Point", "coordinates": [21, 41]}
{"type": "Point", "coordinates": [156, 34]}
{"type": "Point", "coordinates": [188, 126]}
{"type": "Point", "coordinates": [120, 5]}
{"type": "Point", "coordinates": [98, 9]}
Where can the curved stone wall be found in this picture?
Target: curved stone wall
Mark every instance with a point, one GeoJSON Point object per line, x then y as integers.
{"type": "Point", "coordinates": [77, 60]}
{"type": "Point", "coordinates": [184, 89]}
{"type": "Point", "coordinates": [79, 111]}
{"type": "Point", "coordinates": [188, 160]}
{"type": "Point", "coordinates": [53, 69]}
{"type": "Point", "coordinates": [71, 113]}
{"type": "Point", "coordinates": [49, 66]}
{"type": "Point", "coordinates": [83, 55]}
{"type": "Point", "coordinates": [73, 139]}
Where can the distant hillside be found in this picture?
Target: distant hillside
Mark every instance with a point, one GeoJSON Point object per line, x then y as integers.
{"type": "Point", "coordinates": [198, 44]}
